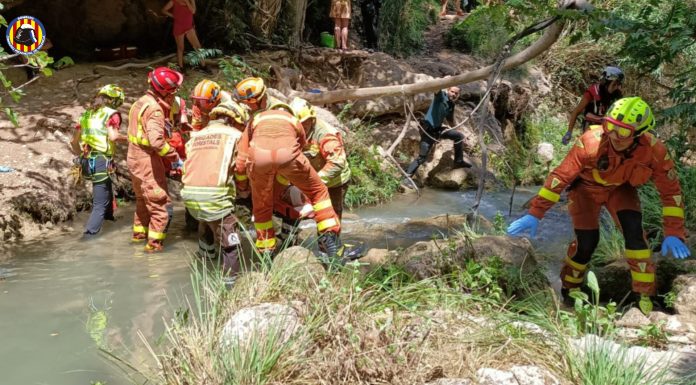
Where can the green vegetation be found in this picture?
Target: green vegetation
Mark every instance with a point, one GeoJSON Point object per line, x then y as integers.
{"type": "Point", "coordinates": [402, 24]}
{"type": "Point", "coordinates": [373, 180]}
{"type": "Point", "coordinates": [483, 33]}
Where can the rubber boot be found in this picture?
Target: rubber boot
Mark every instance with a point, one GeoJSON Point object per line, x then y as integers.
{"type": "Point", "coordinates": [330, 243]}
{"type": "Point", "coordinates": [645, 304]}
{"type": "Point", "coordinates": [154, 245]}
{"type": "Point", "coordinates": [138, 237]}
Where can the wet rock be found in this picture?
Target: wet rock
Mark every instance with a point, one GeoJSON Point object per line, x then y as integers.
{"type": "Point", "coordinates": [44, 208]}
{"type": "Point", "coordinates": [449, 179]}
{"type": "Point", "coordinates": [685, 303]}
{"type": "Point", "coordinates": [10, 227]}
{"type": "Point", "coordinates": [268, 320]}
{"type": "Point", "coordinates": [633, 318]}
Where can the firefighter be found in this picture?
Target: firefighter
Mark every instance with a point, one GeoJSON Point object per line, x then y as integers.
{"type": "Point", "coordinates": [604, 167]}
{"type": "Point", "coordinates": [596, 100]}
{"type": "Point", "coordinates": [253, 93]}
{"type": "Point", "coordinates": [209, 191]}
{"type": "Point", "coordinates": [206, 95]}
{"type": "Point", "coordinates": [94, 141]}
{"type": "Point", "coordinates": [270, 146]}
{"type": "Point", "coordinates": [147, 152]}
{"type": "Point", "coordinates": [325, 151]}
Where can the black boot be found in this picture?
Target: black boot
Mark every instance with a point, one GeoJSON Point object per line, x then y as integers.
{"type": "Point", "coordinates": [332, 246]}
{"type": "Point", "coordinates": [461, 163]}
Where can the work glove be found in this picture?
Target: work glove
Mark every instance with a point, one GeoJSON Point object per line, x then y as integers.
{"type": "Point", "coordinates": [527, 222]}
{"type": "Point", "coordinates": [676, 247]}
{"type": "Point", "coordinates": [178, 164]}
{"type": "Point", "coordinates": [567, 137]}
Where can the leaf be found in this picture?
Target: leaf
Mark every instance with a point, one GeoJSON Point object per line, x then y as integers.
{"type": "Point", "coordinates": [5, 82]}
{"type": "Point", "coordinates": [577, 294]}
{"type": "Point", "coordinates": [16, 95]}
{"type": "Point", "coordinates": [3, 22]}
{"type": "Point", "coordinates": [592, 283]}
{"type": "Point", "coordinates": [47, 71]}
{"type": "Point", "coordinates": [14, 118]}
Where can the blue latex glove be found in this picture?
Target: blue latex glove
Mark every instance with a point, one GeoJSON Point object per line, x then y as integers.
{"type": "Point", "coordinates": [178, 165]}
{"type": "Point", "coordinates": [527, 222]}
{"type": "Point", "coordinates": [676, 247]}
{"type": "Point", "coordinates": [567, 137]}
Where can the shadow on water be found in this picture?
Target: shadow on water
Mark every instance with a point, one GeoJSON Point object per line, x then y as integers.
{"type": "Point", "coordinates": [63, 297]}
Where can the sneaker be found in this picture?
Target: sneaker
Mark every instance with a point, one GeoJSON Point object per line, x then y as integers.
{"type": "Point", "coordinates": [139, 237]}
{"type": "Point", "coordinates": [461, 164]}
{"type": "Point", "coordinates": [351, 251]}
{"type": "Point", "coordinates": [154, 245]}
{"type": "Point", "coordinates": [645, 304]}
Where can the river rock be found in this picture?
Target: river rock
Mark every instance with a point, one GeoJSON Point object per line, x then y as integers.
{"type": "Point", "coordinates": [374, 258]}
{"type": "Point", "coordinates": [299, 260]}
{"type": "Point", "coordinates": [267, 320]}
{"type": "Point", "coordinates": [449, 179]}
{"type": "Point", "coordinates": [685, 303]}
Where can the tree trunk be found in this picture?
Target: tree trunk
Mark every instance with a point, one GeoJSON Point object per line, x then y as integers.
{"type": "Point", "coordinates": [299, 9]}
{"type": "Point", "coordinates": [545, 42]}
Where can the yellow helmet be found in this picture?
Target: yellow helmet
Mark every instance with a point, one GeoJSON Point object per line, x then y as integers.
{"type": "Point", "coordinates": [303, 110]}
{"type": "Point", "coordinates": [231, 109]}
{"type": "Point", "coordinates": [250, 90]}
{"type": "Point", "coordinates": [207, 90]}
{"type": "Point", "coordinates": [114, 92]}
{"type": "Point", "coordinates": [629, 117]}
{"type": "Point", "coordinates": [281, 106]}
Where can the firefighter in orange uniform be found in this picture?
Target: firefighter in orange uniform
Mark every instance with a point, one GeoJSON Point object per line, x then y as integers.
{"type": "Point", "coordinates": [209, 190]}
{"type": "Point", "coordinates": [206, 95]}
{"type": "Point", "coordinates": [253, 93]}
{"type": "Point", "coordinates": [604, 167]}
{"type": "Point", "coordinates": [147, 152]}
{"type": "Point", "coordinates": [270, 146]}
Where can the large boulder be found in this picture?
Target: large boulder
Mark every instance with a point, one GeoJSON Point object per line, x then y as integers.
{"type": "Point", "coordinates": [273, 322]}
{"type": "Point", "coordinates": [451, 179]}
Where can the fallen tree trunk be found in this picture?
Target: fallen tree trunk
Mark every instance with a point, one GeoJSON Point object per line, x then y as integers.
{"type": "Point", "coordinates": [545, 42]}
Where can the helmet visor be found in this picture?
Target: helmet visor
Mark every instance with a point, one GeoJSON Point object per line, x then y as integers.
{"type": "Point", "coordinates": [621, 129]}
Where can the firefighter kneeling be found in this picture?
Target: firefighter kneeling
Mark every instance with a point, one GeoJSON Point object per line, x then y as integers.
{"type": "Point", "coordinates": [272, 145]}
{"type": "Point", "coordinates": [209, 190]}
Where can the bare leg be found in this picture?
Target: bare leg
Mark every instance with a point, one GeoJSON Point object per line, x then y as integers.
{"type": "Point", "coordinates": [443, 10]}
{"type": "Point", "coordinates": [344, 33]}
{"type": "Point", "coordinates": [180, 50]}
{"type": "Point", "coordinates": [337, 33]}
{"type": "Point", "coordinates": [192, 37]}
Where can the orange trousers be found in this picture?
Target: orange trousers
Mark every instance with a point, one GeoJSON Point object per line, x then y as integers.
{"type": "Point", "coordinates": [262, 167]}
{"type": "Point", "coordinates": [153, 206]}
{"type": "Point", "coordinates": [624, 206]}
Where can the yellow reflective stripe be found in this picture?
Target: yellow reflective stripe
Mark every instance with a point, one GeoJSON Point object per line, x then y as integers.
{"type": "Point", "coordinates": [156, 235]}
{"type": "Point", "coordinates": [638, 254]}
{"type": "Point", "coordinates": [673, 212]}
{"type": "Point", "coordinates": [264, 225]}
{"type": "Point", "coordinates": [575, 265]}
{"type": "Point", "coordinates": [240, 177]}
{"type": "Point", "coordinates": [165, 149]}
{"type": "Point", "coordinates": [597, 178]}
{"type": "Point", "coordinates": [282, 180]}
{"type": "Point", "coordinates": [326, 224]}
{"type": "Point", "coordinates": [139, 229]}
{"type": "Point", "coordinates": [325, 204]}
{"type": "Point", "coordinates": [140, 142]}
{"type": "Point", "coordinates": [139, 134]}
{"type": "Point", "coordinates": [571, 279]}
{"type": "Point", "coordinates": [265, 243]}
{"type": "Point", "coordinates": [549, 195]}
{"type": "Point", "coordinates": [643, 277]}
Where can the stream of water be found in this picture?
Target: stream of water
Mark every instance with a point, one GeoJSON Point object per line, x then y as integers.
{"type": "Point", "coordinates": [63, 297]}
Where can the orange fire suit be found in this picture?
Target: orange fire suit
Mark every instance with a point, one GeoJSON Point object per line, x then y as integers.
{"type": "Point", "coordinates": [598, 175]}
{"type": "Point", "coordinates": [200, 118]}
{"type": "Point", "coordinates": [147, 152]}
{"type": "Point", "coordinates": [270, 146]}
{"type": "Point", "coordinates": [326, 153]}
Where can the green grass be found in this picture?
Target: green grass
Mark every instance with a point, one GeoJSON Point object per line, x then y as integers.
{"type": "Point", "coordinates": [402, 24]}
{"type": "Point", "coordinates": [483, 33]}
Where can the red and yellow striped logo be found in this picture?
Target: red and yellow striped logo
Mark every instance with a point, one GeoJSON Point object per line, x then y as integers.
{"type": "Point", "coordinates": [26, 35]}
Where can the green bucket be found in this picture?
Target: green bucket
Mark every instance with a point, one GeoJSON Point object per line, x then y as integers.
{"type": "Point", "coordinates": [327, 40]}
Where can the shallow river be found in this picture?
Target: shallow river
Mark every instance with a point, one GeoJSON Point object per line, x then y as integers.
{"type": "Point", "coordinates": [61, 298]}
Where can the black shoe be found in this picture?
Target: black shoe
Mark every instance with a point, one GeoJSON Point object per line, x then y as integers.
{"type": "Point", "coordinates": [331, 245]}
{"type": "Point", "coordinates": [461, 164]}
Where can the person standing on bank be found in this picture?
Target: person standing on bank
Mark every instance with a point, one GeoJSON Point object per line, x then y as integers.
{"type": "Point", "coordinates": [182, 12]}
{"type": "Point", "coordinates": [432, 130]}
{"type": "Point", "coordinates": [340, 14]}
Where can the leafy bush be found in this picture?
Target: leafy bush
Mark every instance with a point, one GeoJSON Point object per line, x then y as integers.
{"type": "Point", "coordinates": [402, 23]}
{"type": "Point", "coordinates": [483, 33]}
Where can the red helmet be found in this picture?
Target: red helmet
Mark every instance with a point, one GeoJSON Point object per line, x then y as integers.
{"type": "Point", "coordinates": [165, 80]}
